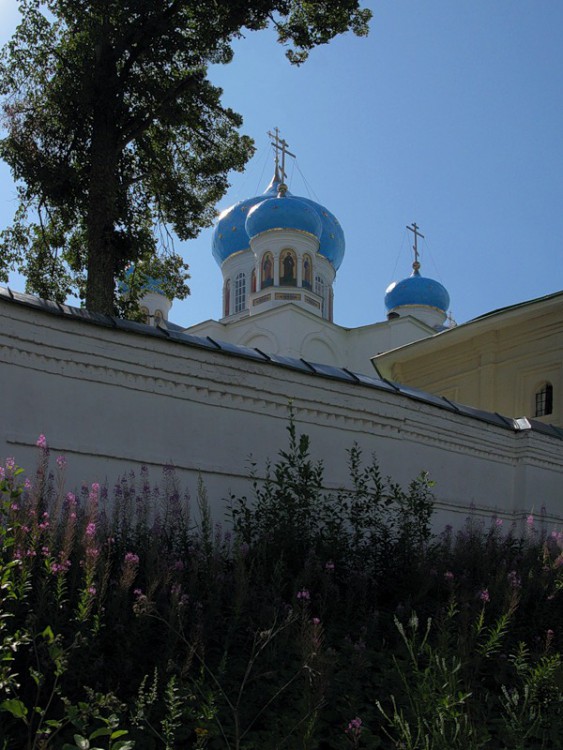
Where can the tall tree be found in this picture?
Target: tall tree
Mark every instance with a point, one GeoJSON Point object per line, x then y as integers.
{"type": "Point", "coordinates": [117, 138]}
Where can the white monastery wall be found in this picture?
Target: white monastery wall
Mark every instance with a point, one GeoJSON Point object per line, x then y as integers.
{"type": "Point", "coordinates": [112, 399]}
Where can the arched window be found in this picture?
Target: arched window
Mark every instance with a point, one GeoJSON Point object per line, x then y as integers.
{"type": "Point", "coordinates": [158, 316]}
{"type": "Point", "coordinates": [544, 400]}
{"type": "Point", "coordinates": [307, 272]}
{"type": "Point", "coordinates": [227, 298]}
{"type": "Point", "coordinates": [288, 268]}
{"type": "Point", "coordinates": [320, 290]}
{"type": "Point", "coordinates": [253, 281]}
{"type": "Point", "coordinates": [267, 275]}
{"type": "Point", "coordinates": [240, 292]}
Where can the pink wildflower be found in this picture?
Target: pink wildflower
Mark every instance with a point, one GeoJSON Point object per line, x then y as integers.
{"type": "Point", "coordinates": [60, 567]}
{"type": "Point", "coordinates": [530, 521]}
{"type": "Point", "coordinates": [10, 464]}
{"type": "Point", "coordinates": [61, 462]}
{"type": "Point", "coordinates": [354, 728]}
{"type": "Point", "coordinates": [94, 493]}
{"type": "Point", "coordinates": [304, 594]}
{"type": "Point", "coordinates": [27, 484]}
{"type": "Point", "coordinates": [448, 575]}
{"type": "Point", "coordinates": [131, 558]}
{"type": "Point", "coordinates": [41, 442]}
{"type": "Point", "coordinates": [329, 565]}
{"type": "Point", "coordinates": [484, 595]}
{"type": "Point", "coordinates": [90, 529]}
{"type": "Point", "coordinates": [316, 621]}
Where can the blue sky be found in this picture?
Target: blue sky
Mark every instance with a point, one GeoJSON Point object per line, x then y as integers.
{"type": "Point", "coordinates": [449, 114]}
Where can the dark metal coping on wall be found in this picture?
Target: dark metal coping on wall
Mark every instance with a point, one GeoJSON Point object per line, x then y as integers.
{"type": "Point", "coordinates": [174, 333]}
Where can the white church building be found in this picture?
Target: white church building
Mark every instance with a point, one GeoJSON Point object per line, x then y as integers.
{"type": "Point", "coordinates": [279, 256]}
{"type": "Point", "coordinates": [113, 395]}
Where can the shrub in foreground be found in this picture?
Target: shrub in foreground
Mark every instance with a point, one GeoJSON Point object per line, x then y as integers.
{"type": "Point", "coordinates": [314, 620]}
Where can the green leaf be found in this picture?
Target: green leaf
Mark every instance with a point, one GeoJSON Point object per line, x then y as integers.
{"type": "Point", "coordinates": [118, 733]}
{"type": "Point", "coordinates": [81, 742]}
{"type": "Point", "coordinates": [125, 745]}
{"type": "Point", "coordinates": [48, 634]}
{"type": "Point", "coordinates": [104, 731]}
{"type": "Point", "coordinates": [15, 707]}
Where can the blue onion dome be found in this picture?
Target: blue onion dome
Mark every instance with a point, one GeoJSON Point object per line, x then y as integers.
{"type": "Point", "coordinates": [149, 284]}
{"type": "Point", "coordinates": [417, 290]}
{"type": "Point", "coordinates": [230, 235]}
{"type": "Point", "coordinates": [332, 242]}
{"type": "Point", "coordinates": [284, 212]}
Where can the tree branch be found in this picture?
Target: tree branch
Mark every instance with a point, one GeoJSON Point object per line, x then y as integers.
{"type": "Point", "coordinates": [141, 35]}
{"type": "Point", "coordinates": [140, 124]}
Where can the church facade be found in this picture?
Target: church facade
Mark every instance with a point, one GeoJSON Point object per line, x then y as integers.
{"type": "Point", "coordinates": [279, 255]}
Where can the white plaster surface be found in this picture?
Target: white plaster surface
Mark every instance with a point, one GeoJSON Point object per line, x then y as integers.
{"type": "Point", "coordinates": [113, 400]}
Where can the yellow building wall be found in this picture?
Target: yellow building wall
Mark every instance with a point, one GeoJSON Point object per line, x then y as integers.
{"type": "Point", "coordinates": [498, 370]}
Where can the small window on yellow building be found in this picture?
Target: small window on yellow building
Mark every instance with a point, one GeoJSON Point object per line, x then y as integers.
{"type": "Point", "coordinates": [544, 400]}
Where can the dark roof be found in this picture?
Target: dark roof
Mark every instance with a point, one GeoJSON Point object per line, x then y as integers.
{"type": "Point", "coordinates": [175, 334]}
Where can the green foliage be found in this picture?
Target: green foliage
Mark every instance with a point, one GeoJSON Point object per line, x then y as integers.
{"type": "Point", "coordinates": [114, 130]}
{"type": "Point", "coordinates": [108, 737]}
{"type": "Point", "coordinates": [436, 715]}
{"type": "Point", "coordinates": [373, 524]}
{"type": "Point", "coordinates": [129, 619]}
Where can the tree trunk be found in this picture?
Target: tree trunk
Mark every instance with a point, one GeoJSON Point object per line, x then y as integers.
{"type": "Point", "coordinates": [102, 212]}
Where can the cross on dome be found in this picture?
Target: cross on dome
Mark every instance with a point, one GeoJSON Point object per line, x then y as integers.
{"type": "Point", "coordinates": [279, 144]}
{"type": "Point", "coordinates": [414, 229]}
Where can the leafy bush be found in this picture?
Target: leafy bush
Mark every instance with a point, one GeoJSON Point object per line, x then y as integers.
{"type": "Point", "coordinates": [314, 620]}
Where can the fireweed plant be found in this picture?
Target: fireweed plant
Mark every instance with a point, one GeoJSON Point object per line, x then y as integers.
{"type": "Point", "coordinates": [313, 620]}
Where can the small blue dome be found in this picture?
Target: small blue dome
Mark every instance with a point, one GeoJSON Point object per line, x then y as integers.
{"type": "Point", "coordinates": [149, 285]}
{"type": "Point", "coordinates": [417, 290]}
{"type": "Point", "coordinates": [283, 213]}
{"type": "Point", "coordinates": [230, 235]}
